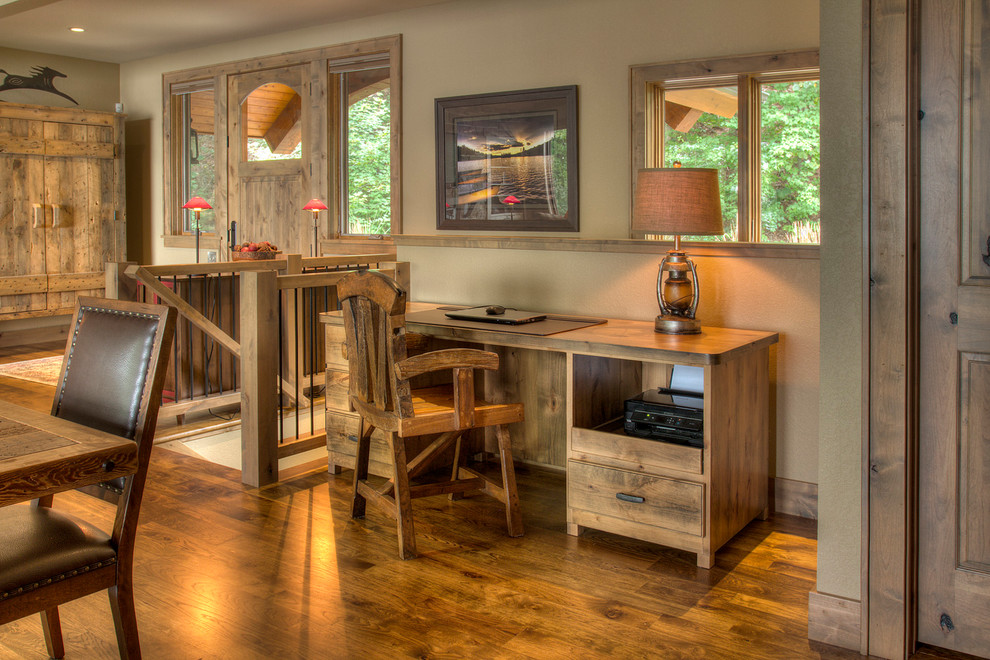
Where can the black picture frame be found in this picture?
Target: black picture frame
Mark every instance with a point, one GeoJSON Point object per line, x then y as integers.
{"type": "Point", "coordinates": [507, 161]}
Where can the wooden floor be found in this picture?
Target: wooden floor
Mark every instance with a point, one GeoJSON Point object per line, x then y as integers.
{"type": "Point", "coordinates": [226, 571]}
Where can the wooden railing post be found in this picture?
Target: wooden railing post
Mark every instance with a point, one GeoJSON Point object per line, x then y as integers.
{"type": "Point", "coordinates": [401, 276]}
{"type": "Point", "coordinates": [259, 376]}
{"type": "Point", "coordinates": [118, 285]}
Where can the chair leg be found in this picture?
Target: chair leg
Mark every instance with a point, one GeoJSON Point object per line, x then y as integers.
{"type": "Point", "coordinates": [458, 459]}
{"type": "Point", "coordinates": [125, 622]}
{"type": "Point", "coordinates": [359, 502]}
{"type": "Point", "coordinates": [403, 500]}
{"type": "Point", "coordinates": [53, 633]}
{"type": "Point", "coordinates": [513, 517]}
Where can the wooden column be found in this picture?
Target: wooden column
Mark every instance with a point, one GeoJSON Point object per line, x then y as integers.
{"type": "Point", "coordinates": [893, 437]}
{"type": "Point", "coordinates": [259, 376]}
{"type": "Point", "coordinates": [118, 285]}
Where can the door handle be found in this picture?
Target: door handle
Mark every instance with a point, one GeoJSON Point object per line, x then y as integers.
{"type": "Point", "coordinates": [56, 215]}
{"type": "Point", "coordinates": [39, 215]}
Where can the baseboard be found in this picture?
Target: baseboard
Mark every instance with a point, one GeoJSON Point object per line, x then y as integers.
{"type": "Point", "coordinates": [40, 335]}
{"type": "Point", "coordinates": [797, 498]}
{"type": "Point", "coordinates": [834, 620]}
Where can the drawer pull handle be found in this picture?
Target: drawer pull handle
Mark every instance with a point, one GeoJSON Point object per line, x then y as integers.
{"type": "Point", "coordinates": [635, 499]}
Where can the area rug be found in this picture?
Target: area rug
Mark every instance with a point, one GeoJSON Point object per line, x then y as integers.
{"type": "Point", "coordinates": [41, 370]}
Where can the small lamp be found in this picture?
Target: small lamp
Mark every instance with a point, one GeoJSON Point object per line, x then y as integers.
{"type": "Point", "coordinates": [511, 200]}
{"type": "Point", "coordinates": [315, 206]}
{"type": "Point", "coordinates": [677, 200]}
{"type": "Point", "coordinates": [197, 204]}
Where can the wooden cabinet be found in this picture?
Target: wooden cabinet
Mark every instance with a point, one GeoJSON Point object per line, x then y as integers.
{"type": "Point", "coordinates": [62, 210]}
{"type": "Point", "coordinates": [686, 497]}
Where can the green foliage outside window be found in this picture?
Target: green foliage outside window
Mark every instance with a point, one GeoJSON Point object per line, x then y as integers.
{"type": "Point", "coordinates": [789, 162]}
{"type": "Point", "coordinates": [369, 203]}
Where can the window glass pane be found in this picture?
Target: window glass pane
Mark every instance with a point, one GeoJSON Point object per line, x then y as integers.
{"type": "Point", "coordinates": [789, 162]}
{"type": "Point", "coordinates": [199, 174]}
{"type": "Point", "coordinates": [701, 130]}
{"type": "Point", "coordinates": [271, 114]}
{"type": "Point", "coordinates": [367, 140]}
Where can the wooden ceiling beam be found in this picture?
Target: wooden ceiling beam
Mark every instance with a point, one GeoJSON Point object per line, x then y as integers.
{"type": "Point", "coordinates": [285, 131]}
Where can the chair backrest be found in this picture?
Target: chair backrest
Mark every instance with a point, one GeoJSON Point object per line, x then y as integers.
{"type": "Point", "coordinates": [112, 376]}
{"type": "Point", "coordinates": [375, 329]}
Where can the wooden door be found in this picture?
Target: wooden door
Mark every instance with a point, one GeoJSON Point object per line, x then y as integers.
{"type": "Point", "coordinates": [269, 114]}
{"type": "Point", "coordinates": [954, 371]}
{"type": "Point", "coordinates": [83, 225]}
{"type": "Point", "coordinates": [23, 280]}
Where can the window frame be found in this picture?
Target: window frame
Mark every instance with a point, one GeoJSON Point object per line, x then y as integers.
{"type": "Point", "coordinates": [747, 72]}
{"type": "Point", "coordinates": [324, 175]}
{"type": "Point", "coordinates": [338, 71]}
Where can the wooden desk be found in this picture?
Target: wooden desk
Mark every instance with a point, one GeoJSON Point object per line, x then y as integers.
{"type": "Point", "coordinates": [574, 385]}
{"type": "Point", "coordinates": [42, 455]}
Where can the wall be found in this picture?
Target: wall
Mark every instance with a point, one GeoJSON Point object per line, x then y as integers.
{"type": "Point", "coordinates": [842, 404]}
{"type": "Point", "coordinates": [93, 85]}
{"type": "Point", "coordinates": [474, 46]}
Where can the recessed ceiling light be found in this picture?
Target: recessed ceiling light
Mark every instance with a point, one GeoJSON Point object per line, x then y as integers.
{"type": "Point", "coordinates": [77, 29]}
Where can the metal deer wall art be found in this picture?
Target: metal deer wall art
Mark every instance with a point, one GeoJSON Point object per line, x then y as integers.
{"type": "Point", "coordinates": [42, 78]}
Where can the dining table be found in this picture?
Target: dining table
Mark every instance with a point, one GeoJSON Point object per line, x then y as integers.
{"type": "Point", "coordinates": [41, 455]}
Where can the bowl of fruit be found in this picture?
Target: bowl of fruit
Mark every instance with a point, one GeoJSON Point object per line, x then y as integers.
{"type": "Point", "coordinates": [253, 251]}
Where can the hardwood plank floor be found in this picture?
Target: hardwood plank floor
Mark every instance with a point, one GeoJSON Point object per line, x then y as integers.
{"type": "Point", "coordinates": [226, 571]}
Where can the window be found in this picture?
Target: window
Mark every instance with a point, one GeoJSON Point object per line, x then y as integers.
{"type": "Point", "coordinates": [195, 170]}
{"type": "Point", "coordinates": [259, 138]}
{"type": "Point", "coordinates": [756, 120]}
{"type": "Point", "coordinates": [363, 100]}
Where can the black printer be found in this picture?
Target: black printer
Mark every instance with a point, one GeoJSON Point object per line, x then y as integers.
{"type": "Point", "coordinates": [667, 415]}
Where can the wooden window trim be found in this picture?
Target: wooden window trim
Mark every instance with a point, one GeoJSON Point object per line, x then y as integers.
{"type": "Point", "coordinates": [320, 60]}
{"type": "Point", "coordinates": [647, 83]}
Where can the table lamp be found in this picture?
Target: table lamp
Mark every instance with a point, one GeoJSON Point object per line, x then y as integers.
{"type": "Point", "coordinates": [677, 200]}
{"type": "Point", "coordinates": [197, 204]}
{"type": "Point", "coordinates": [315, 206]}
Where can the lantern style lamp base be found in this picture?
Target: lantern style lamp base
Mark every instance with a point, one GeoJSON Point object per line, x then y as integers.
{"type": "Point", "coordinates": [676, 325]}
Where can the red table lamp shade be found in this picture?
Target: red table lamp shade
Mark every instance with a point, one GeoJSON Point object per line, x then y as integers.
{"type": "Point", "coordinates": [197, 203]}
{"type": "Point", "coordinates": [315, 205]}
{"type": "Point", "coordinates": [511, 199]}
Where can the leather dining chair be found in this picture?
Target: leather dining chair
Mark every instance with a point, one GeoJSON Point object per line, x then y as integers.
{"type": "Point", "coordinates": [380, 392]}
{"type": "Point", "coordinates": [111, 379]}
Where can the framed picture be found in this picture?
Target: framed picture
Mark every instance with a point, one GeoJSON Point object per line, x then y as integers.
{"type": "Point", "coordinates": [508, 161]}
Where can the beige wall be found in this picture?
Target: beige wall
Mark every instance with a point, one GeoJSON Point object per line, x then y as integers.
{"type": "Point", "coordinates": [474, 46]}
{"type": "Point", "coordinates": [843, 284]}
{"type": "Point", "coordinates": [93, 85]}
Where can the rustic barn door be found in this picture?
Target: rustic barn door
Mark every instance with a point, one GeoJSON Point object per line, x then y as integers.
{"type": "Point", "coordinates": [83, 228]}
{"type": "Point", "coordinates": [23, 276]}
{"type": "Point", "coordinates": [954, 372]}
{"type": "Point", "coordinates": [269, 157]}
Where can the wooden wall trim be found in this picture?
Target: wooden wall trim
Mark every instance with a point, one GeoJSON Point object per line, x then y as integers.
{"type": "Point", "coordinates": [796, 498]}
{"type": "Point", "coordinates": [834, 620]}
{"type": "Point", "coordinates": [629, 245]}
{"type": "Point", "coordinates": [893, 220]}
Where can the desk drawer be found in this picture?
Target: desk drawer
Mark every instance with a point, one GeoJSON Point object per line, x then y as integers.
{"type": "Point", "coordinates": [615, 448]}
{"type": "Point", "coordinates": [342, 435]}
{"type": "Point", "coordinates": [642, 498]}
{"type": "Point", "coordinates": [335, 347]}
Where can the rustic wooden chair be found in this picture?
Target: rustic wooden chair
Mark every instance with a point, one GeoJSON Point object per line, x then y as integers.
{"type": "Point", "coordinates": [111, 379]}
{"type": "Point", "coordinates": [380, 392]}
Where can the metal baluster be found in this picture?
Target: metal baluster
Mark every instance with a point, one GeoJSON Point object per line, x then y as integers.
{"type": "Point", "coordinates": [206, 338]}
{"type": "Point", "coordinates": [312, 361]}
{"type": "Point", "coordinates": [281, 430]}
{"type": "Point", "coordinates": [175, 354]}
{"type": "Point", "coordinates": [295, 359]}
